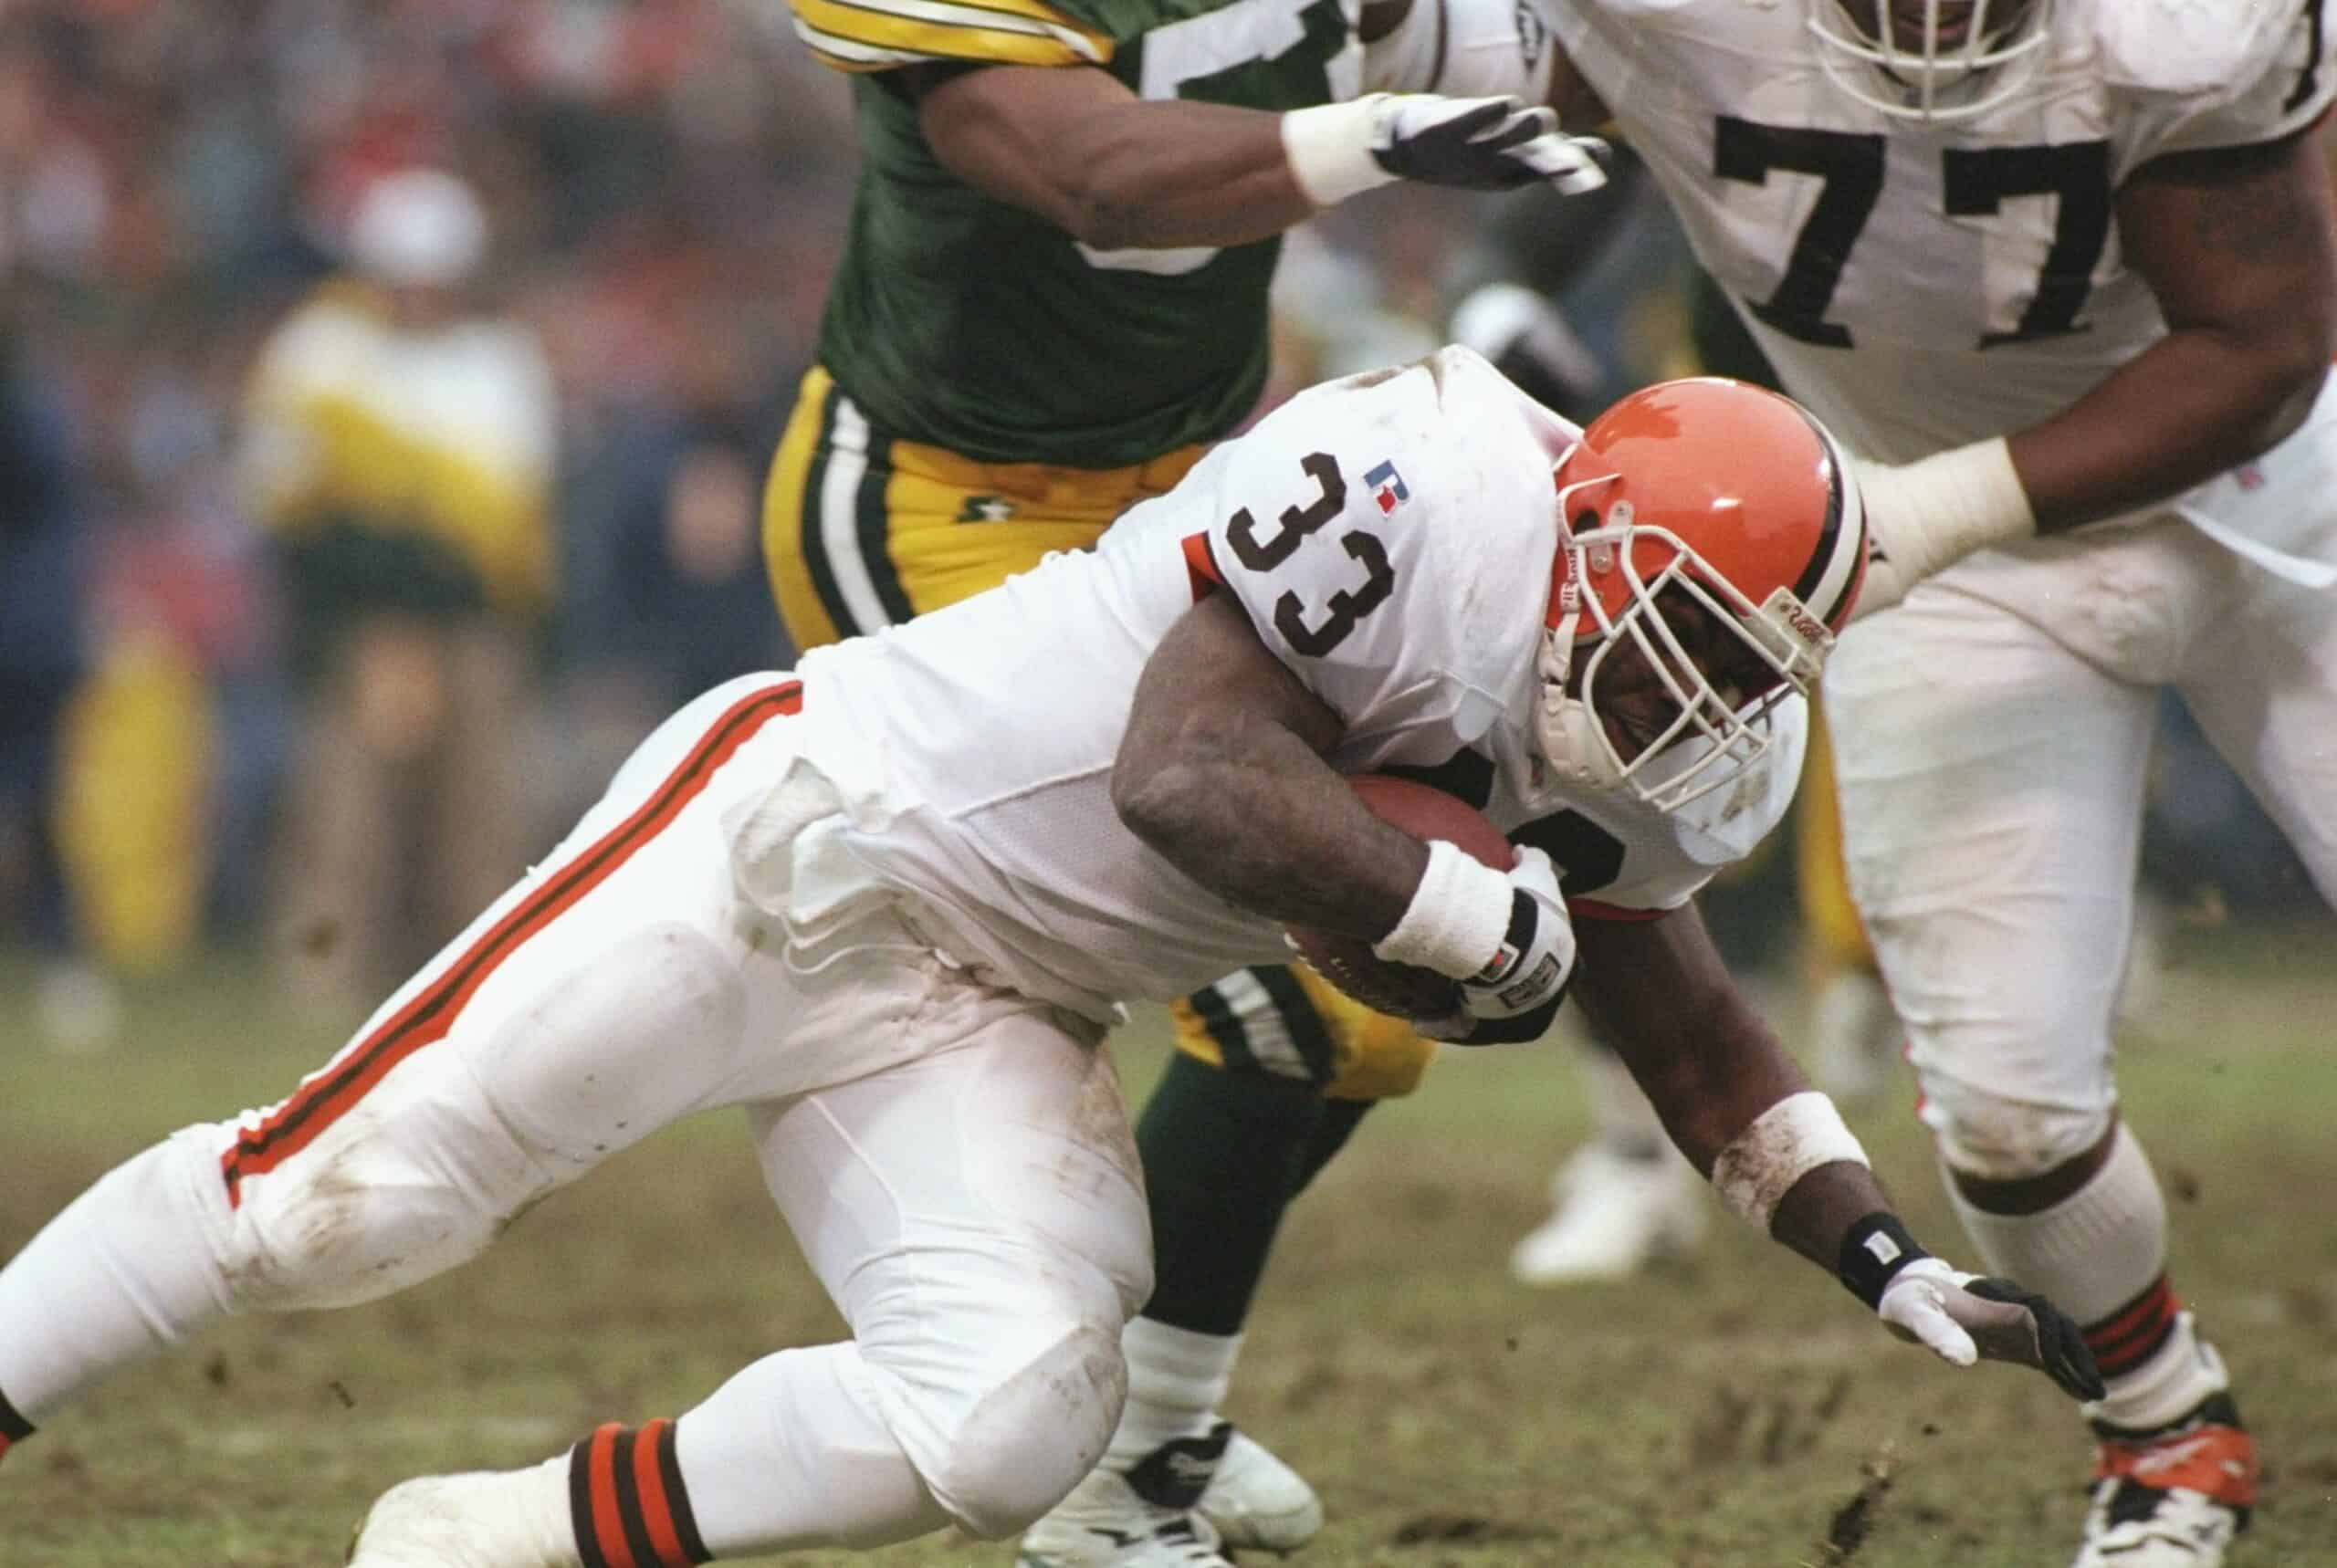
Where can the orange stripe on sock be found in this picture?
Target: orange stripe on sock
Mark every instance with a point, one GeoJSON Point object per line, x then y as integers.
{"type": "Point", "coordinates": [2157, 1302]}
{"type": "Point", "coordinates": [431, 1015]}
{"type": "Point", "coordinates": [656, 1512]}
{"type": "Point", "coordinates": [608, 1525]}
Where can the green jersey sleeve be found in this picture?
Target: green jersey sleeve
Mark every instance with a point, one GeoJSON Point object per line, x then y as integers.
{"type": "Point", "coordinates": [878, 35]}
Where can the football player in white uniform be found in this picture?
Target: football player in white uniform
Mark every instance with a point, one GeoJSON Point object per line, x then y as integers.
{"type": "Point", "coordinates": [2040, 264]}
{"type": "Point", "coordinates": [890, 904]}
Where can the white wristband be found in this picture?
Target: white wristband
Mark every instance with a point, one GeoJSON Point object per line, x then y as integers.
{"type": "Point", "coordinates": [1927, 515]}
{"type": "Point", "coordinates": [1785, 1143]}
{"type": "Point", "coordinates": [1329, 149]}
{"type": "Point", "coordinates": [1457, 918]}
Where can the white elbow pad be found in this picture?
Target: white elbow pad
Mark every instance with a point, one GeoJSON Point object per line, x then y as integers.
{"type": "Point", "coordinates": [1465, 48]}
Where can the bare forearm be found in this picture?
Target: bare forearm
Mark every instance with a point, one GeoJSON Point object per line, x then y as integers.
{"type": "Point", "coordinates": [1187, 175]}
{"type": "Point", "coordinates": [1254, 816]}
{"type": "Point", "coordinates": [1710, 1066]}
{"type": "Point", "coordinates": [1113, 170]}
{"type": "Point", "coordinates": [2194, 404]}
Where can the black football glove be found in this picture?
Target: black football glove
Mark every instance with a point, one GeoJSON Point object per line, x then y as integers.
{"type": "Point", "coordinates": [1966, 1317]}
{"type": "Point", "coordinates": [1482, 144]}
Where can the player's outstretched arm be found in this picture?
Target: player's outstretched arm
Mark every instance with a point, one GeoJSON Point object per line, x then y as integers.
{"type": "Point", "coordinates": [1117, 171]}
{"type": "Point", "coordinates": [1740, 1109]}
{"type": "Point", "coordinates": [2237, 245]}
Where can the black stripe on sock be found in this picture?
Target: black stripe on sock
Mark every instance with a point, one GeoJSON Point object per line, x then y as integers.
{"type": "Point", "coordinates": [13, 1425]}
{"type": "Point", "coordinates": [677, 1496]}
{"type": "Point", "coordinates": [2122, 1356]}
{"type": "Point", "coordinates": [628, 1488]}
{"type": "Point", "coordinates": [809, 538]}
{"type": "Point", "coordinates": [873, 523]}
{"type": "Point", "coordinates": [580, 1505]}
{"type": "Point", "coordinates": [1304, 1025]}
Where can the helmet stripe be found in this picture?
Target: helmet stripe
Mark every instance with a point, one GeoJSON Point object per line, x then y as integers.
{"type": "Point", "coordinates": [1832, 569]}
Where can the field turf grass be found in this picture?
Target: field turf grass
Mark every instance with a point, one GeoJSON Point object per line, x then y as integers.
{"type": "Point", "coordinates": [1736, 1409]}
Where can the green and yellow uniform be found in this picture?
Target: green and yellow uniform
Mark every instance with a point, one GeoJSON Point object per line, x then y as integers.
{"type": "Point", "coordinates": [989, 390]}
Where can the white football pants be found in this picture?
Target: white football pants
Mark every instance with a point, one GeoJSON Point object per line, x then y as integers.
{"type": "Point", "coordinates": [1990, 741]}
{"type": "Point", "coordinates": [954, 1160]}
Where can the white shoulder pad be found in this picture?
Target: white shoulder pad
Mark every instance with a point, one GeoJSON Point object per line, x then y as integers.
{"type": "Point", "coordinates": [2212, 48]}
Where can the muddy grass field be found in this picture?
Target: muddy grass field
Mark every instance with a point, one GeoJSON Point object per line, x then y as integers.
{"type": "Point", "coordinates": [1738, 1410]}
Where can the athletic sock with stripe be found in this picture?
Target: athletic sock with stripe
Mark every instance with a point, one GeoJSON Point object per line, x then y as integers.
{"type": "Point", "coordinates": [627, 1503]}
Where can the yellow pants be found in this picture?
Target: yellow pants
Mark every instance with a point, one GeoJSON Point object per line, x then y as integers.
{"type": "Point", "coordinates": [861, 531]}
{"type": "Point", "coordinates": [1835, 936]}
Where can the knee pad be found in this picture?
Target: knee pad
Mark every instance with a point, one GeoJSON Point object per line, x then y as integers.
{"type": "Point", "coordinates": [1986, 1133]}
{"type": "Point", "coordinates": [406, 1184]}
{"type": "Point", "coordinates": [1035, 1434]}
{"type": "Point", "coordinates": [1003, 1395]}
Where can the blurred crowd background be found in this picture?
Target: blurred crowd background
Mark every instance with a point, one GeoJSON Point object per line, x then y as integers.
{"type": "Point", "coordinates": [385, 393]}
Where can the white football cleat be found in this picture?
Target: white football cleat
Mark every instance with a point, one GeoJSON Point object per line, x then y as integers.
{"type": "Point", "coordinates": [1143, 1517]}
{"type": "Point", "coordinates": [2172, 1497]}
{"type": "Point", "coordinates": [486, 1519]}
{"type": "Point", "coordinates": [1257, 1502]}
{"type": "Point", "coordinates": [1615, 1213]}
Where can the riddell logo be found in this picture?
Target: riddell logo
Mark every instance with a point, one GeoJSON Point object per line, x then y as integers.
{"type": "Point", "coordinates": [1782, 605]}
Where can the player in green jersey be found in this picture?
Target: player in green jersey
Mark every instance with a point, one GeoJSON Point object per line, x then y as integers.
{"type": "Point", "coordinates": [1053, 296]}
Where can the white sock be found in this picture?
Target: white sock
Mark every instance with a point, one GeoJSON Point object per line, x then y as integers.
{"type": "Point", "coordinates": [2168, 1386]}
{"type": "Point", "coordinates": [2099, 1255]}
{"type": "Point", "coordinates": [2093, 1252]}
{"type": "Point", "coordinates": [1176, 1379]}
{"type": "Point", "coordinates": [795, 1451]}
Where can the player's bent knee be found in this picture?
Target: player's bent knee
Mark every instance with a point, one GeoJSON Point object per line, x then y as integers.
{"type": "Point", "coordinates": [393, 1193]}
{"type": "Point", "coordinates": [1020, 1449]}
{"type": "Point", "coordinates": [1004, 1400]}
{"type": "Point", "coordinates": [1984, 1133]}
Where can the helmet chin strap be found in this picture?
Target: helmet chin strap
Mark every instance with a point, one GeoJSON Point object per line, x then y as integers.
{"type": "Point", "coordinates": [1572, 743]}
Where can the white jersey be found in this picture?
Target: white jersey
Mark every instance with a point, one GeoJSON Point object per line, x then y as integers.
{"type": "Point", "coordinates": [1391, 536]}
{"type": "Point", "coordinates": [1922, 287]}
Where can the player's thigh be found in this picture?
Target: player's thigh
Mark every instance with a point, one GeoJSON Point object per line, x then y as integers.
{"type": "Point", "coordinates": [595, 1000]}
{"type": "Point", "coordinates": [592, 1002]}
{"type": "Point", "coordinates": [1290, 1022]}
{"type": "Point", "coordinates": [976, 1211]}
{"type": "Point", "coordinates": [2263, 686]}
{"type": "Point", "coordinates": [1990, 824]}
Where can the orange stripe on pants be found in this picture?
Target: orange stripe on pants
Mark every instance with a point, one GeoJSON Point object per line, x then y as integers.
{"type": "Point", "coordinates": [431, 1015]}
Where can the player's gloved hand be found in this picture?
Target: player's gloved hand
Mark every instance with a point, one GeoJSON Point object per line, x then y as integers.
{"type": "Point", "coordinates": [1922, 517]}
{"type": "Point", "coordinates": [1965, 1317]}
{"type": "Point", "coordinates": [1482, 144]}
{"type": "Point", "coordinates": [1337, 149]}
{"type": "Point", "coordinates": [1527, 976]}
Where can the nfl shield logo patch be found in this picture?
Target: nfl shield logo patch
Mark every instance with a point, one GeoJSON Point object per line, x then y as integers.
{"type": "Point", "coordinates": [1387, 488]}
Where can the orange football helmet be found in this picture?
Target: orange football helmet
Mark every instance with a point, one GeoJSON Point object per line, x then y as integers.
{"type": "Point", "coordinates": [1735, 497]}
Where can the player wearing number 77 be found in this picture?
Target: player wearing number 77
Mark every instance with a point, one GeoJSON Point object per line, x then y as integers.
{"type": "Point", "coordinates": [890, 904]}
{"type": "Point", "coordinates": [2041, 263]}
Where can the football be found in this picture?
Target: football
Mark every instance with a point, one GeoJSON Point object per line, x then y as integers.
{"type": "Point", "coordinates": [1402, 991]}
